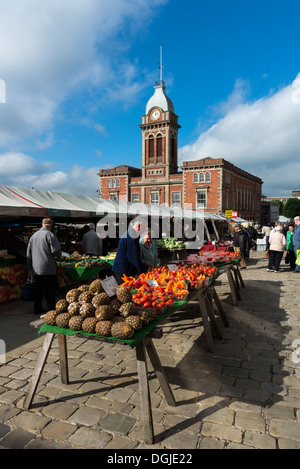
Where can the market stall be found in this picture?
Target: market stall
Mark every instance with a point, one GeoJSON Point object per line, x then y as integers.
{"type": "Point", "coordinates": [141, 305]}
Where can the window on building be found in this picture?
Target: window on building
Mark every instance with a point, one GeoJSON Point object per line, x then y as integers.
{"type": "Point", "coordinates": [176, 199]}
{"type": "Point", "coordinates": [173, 147]}
{"type": "Point", "coordinates": [207, 177]}
{"type": "Point", "coordinates": [159, 148]}
{"type": "Point", "coordinates": [113, 196]}
{"type": "Point", "coordinates": [113, 183]}
{"type": "Point", "coordinates": [118, 183]}
{"type": "Point", "coordinates": [108, 183]}
{"type": "Point", "coordinates": [151, 149]}
{"type": "Point", "coordinates": [201, 177]}
{"type": "Point", "coordinates": [154, 198]}
{"type": "Point", "coordinates": [135, 198]}
{"type": "Point", "coordinates": [201, 199]}
{"type": "Point", "coordinates": [195, 178]}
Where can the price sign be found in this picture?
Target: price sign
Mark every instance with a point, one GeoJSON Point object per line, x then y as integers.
{"type": "Point", "coordinates": [110, 285]}
{"type": "Point", "coordinates": [152, 283]}
{"type": "Point", "coordinates": [228, 213]}
{"type": "Point", "coordinates": [172, 267]}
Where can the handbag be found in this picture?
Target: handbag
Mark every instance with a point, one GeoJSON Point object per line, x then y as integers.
{"type": "Point", "coordinates": [267, 256]}
{"type": "Point", "coordinates": [28, 293]}
{"type": "Point", "coordinates": [287, 257]}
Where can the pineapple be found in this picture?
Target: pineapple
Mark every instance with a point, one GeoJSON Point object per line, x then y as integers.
{"type": "Point", "coordinates": [87, 310]}
{"type": "Point", "coordinates": [135, 321]}
{"type": "Point", "coordinates": [75, 323]}
{"type": "Point", "coordinates": [74, 309]}
{"type": "Point", "coordinates": [115, 305]}
{"type": "Point", "coordinates": [85, 297]}
{"type": "Point", "coordinates": [100, 299]}
{"type": "Point", "coordinates": [124, 295]}
{"type": "Point", "coordinates": [116, 318]}
{"type": "Point", "coordinates": [103, 328]}
{"type": "Point", "coordinates": [61, 306]}
{"type": "Point", "coordinates": [127, 309]}
{"type": "Point", "coordinates": [62, 320]}
{"type": "Point", "coordinates": [72, 295]}
{"type": "Point", "coordinates": [96, 286]}
{"type": "Point", "coordinates": [103, 313]}
{"type": "Point", "coordinates": [50, 317]}
{"type": "Point", "coordinates": [148, 315]}
{"type": "Point", "coordinates": [121, 330]}
{"type": "Point", "coordinates": [89, 325]}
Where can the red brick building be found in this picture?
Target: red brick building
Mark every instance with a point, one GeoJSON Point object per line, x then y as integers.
{"type": "Point", "coordinates": [209, 184]}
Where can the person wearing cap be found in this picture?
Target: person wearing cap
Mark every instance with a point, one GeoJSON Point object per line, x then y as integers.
{"type": "Point", "coordinates": [148, 249]}
{"type": "Point", "coordinates": [277, 248]}
{"type": "Point", "coordinates": [240, 243]}
{"type": "Point", "coordinates": [42, 249]}
{"type": "Point", "coordinates": [128, 257]}
{"type": "Point", "coordinates": [296, 241]}
{"type": "Point", "coordinates": [92, 242]}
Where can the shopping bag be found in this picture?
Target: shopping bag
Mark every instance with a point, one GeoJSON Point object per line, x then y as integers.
{"type": "Point", "coordinates": [287, 257]}
{"type": "Point", "coordinates": [298, 257]}
{"type": "Point", "coordinates": [267, 254]}
{"type": "Point", "coordinates": [28, 293]}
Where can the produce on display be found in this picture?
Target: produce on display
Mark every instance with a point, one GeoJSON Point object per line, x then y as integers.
{"type": "Point", "coordinates": [137, 302]}
{"type": "Point", "coordinates": [170, 243]}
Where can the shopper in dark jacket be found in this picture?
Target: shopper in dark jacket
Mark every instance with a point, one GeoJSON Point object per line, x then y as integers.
{"type": "Point", "coordinates": [240, 243]}
{"type": "Point", "coordinates": [42, 249]}
{"type": "Point", "coordinates": [128, 258]}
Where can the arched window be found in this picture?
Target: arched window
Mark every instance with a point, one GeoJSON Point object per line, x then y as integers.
{"type": "Point", "coordinates": [173, 147]}
{"type": "Point", "coordinates": [195, 178]}
{"type": "Point", "coordinates": [118, 182]}
{"type": "Point", "coordinates": [108, 183]}
{"type": "Point", "coordinates": [202, 179]}
{"type": "Point", "coordinates": [113, 183]}
{"type": "Point", "coordinates": [151, 149]}
{"type": "Point", "coordinates": [207, 177]}
{"type": "Point", "coordinates": [159, 148]}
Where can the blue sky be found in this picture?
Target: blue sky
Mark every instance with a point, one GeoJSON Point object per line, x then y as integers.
{"type": "Point", "coordinates": [78, 75]}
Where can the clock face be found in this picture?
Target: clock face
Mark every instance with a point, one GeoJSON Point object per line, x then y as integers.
{"type": "Point", "coordinates": [155, 114]}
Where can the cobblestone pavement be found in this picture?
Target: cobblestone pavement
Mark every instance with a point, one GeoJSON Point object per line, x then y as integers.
{"type": "Point", "coordinates": [244, 395]}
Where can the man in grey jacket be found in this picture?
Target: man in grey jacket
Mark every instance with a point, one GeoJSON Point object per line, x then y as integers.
{"type": "Point", "coordinates": [42, 249]}
{"type": "Point", "coordinates": [92, 242]}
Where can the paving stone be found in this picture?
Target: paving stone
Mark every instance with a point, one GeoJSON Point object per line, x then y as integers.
{"type": "Point", "coordinates": [223, 432]}
{"type": "Point", "coordinates": [4, 429]}
{"type": "Point", "coordinates": [250, 421]}
{"type": "Point", "coordinates": [87, 416]}
{"type": "Point", "coordinates": [30, 421]}
{"type": "Point", "coordinates": [259, 440]}
{"type": "Point", "coordinates": [59, 430]}
{"type": "Point", "coordinates": [17, 439]}
{"type": "Point", "coordinates": [117, 423]}
{"type": "Point", "coordinates": [60, 409]}
{"type": "Point", "coordinates": [89, 439]}
{"type": "Point", "coordinates": [40, 443]}
{"type": "Point", "coordinates": [285, 429]}
{"type": "Point", "coordinates": [7, 412]}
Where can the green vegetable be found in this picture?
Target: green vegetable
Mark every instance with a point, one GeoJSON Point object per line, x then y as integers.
{"type": "Point", "coordinates": [170, 243]}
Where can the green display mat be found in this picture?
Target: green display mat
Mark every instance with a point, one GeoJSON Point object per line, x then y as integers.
{"type": "Point", "coordinates": [133, 342]}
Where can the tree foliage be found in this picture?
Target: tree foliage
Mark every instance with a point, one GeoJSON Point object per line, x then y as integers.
{"type": "Point", "coordinates": [292, 208]}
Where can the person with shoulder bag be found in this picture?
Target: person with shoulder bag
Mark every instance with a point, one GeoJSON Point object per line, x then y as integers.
{"type": "Point", "coordinates": [277, 248]}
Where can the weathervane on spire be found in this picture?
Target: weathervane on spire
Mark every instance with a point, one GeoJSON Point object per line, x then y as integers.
{"type": "Point", "coordinates": [160, 82]}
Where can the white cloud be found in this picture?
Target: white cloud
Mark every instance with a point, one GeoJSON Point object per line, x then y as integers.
{"type": "Point", "coordinates": [51, 49]}
{"type": "Point", "coordinates": [20, 170]}
{"type": "Point", "coordinates": [261, 137]}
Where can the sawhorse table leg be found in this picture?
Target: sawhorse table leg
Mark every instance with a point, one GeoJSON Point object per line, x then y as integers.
{"type": "Point", "coordinates": [146, 411]}
{"type": "Point", "coordinates": [38, 370]}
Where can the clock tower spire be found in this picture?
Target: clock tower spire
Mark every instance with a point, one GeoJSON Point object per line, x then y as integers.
{"type": "Point", "coordinates": [159, 133]}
